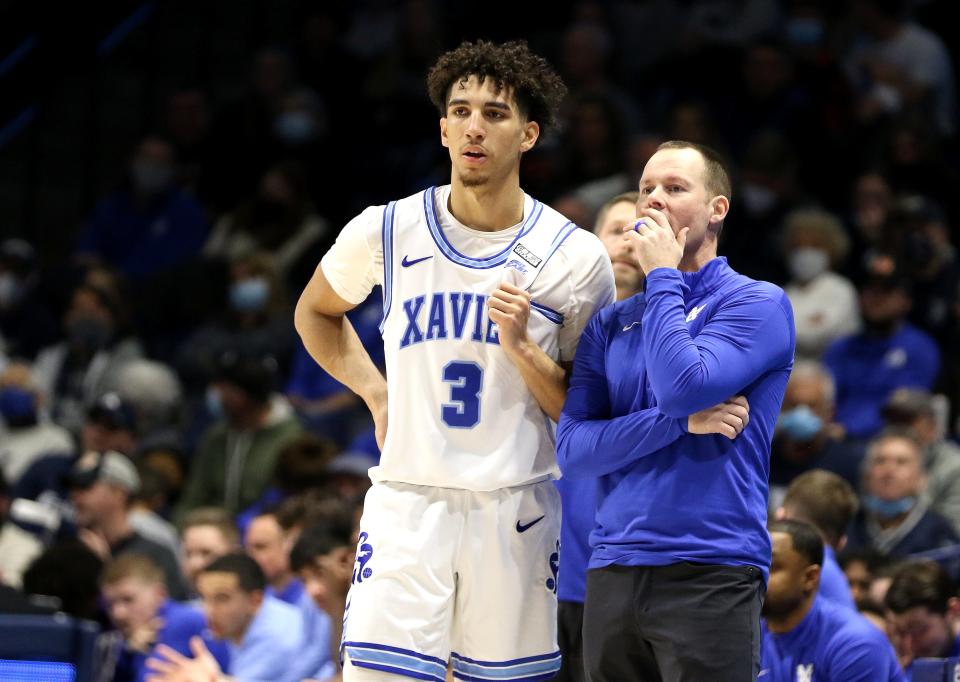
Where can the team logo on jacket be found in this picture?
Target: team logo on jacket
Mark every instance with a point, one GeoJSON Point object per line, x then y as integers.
{"type": "Point", "coordinates": [692, 315]}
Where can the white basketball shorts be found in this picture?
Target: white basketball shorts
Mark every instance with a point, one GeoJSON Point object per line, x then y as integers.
{"type": "Point", "coordinates": [455, 575]}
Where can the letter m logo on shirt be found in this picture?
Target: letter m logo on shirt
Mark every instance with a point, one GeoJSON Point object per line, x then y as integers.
{"type": "Point", "coordinates": [805, 672]}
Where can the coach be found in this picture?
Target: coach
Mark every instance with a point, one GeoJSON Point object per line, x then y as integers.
{"type": "Point", "coordinates": [680, 550]}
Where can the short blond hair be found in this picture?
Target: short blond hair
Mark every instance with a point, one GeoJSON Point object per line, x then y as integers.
{"type": "Point", "coordinates": [716, 177]}
{"type": "Point", "coordinates": [132, 566]}
{"type": "Point", "coordinates": [217, 517]}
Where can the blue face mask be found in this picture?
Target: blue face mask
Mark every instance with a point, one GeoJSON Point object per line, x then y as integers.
{"type": "Point", "coordinates": [249, 295]}
{"type": "Point", "coordinates": [889, 509]}
{"type": "Point", "coordinates": [214, 403]}
{"type": "Point", "coordinates": [17, 406]}
{"type": "Point", "coordinates": [800, 424]}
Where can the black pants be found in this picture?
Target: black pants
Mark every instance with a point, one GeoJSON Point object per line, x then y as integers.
{"type": "Point", "coordinates": [679, 623]}
{"type": "Point", "coordinates": [570, 640]}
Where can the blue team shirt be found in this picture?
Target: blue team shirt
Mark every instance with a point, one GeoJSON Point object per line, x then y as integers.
{"type": "Point", "coordinates": [868, 369]}
{"type": "Point", "coordinates": [833, 581]}
{"type": "Point", "coordinates": [831, 644]}
{"type": "Point", "coordinates": [646, 363]}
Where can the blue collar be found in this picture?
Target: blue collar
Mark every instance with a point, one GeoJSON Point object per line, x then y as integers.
{"type": "Point", "coordinates": [709, 278]}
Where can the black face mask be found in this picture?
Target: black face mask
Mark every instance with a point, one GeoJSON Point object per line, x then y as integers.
{"type": "Point", "coordinates": [89, 334]}
{"type": "Point", "coordinates": [17, 407]}
{"type": "Point", "coordinates": [882, 328]}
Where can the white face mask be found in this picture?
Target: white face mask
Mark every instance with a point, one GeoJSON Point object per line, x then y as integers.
{"type": "Point", "coordinates": [807, 263]}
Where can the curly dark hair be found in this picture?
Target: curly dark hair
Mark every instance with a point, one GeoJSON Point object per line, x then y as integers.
{"type": "Point", "coordinates": [537, 88]}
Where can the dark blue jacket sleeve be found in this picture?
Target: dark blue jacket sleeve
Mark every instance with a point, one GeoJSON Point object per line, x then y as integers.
{"type": "Point", "coordinates": [589, 442]}
{"type": "Point", "coordinates": [750, 334]}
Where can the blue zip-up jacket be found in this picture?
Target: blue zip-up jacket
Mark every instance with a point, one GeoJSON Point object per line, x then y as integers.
{"type": "Point", "coordinates": [690, 341]}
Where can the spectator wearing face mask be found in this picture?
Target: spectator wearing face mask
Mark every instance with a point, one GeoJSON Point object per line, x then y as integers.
{"type": "Point", "coordinates": [25, 433]}
{"type": "Point", "coordinates": [256, 323]}
{"type": "Point", "coordinates": [74, 372]}
{"type": "Point", "coordinates": [895, 517]}
{"type": "Point", "coordinates": [280, 219]}
{"type": "Point", "coordinates": [889, 353]}
{"type": "Point", "coordinates": [806, 435]}
{"type": "Point", "coordinates": [922, 413]}
{"type": "Point", "coordinates": [824, 302]}
{"type": "Point", "coordinates": [148, 225]}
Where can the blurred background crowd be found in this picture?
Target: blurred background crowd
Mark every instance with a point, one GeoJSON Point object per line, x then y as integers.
{"type": "Point", "coordinates": [171, 173]}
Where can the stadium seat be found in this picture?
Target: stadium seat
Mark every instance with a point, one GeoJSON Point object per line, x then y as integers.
{"type": "Point", "coordinates": [929, 670]}
{"type": "Point", "coordinates": [953, 669]}
{"type": "Point", "coordinates": [54, 648]}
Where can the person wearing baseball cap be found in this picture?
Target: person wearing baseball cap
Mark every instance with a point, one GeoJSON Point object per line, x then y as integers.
{"type": "Point", "coordinates": [102, 485]}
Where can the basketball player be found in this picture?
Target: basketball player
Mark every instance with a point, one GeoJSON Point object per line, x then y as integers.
{"type": "Point", "coordinates": [486, 291]}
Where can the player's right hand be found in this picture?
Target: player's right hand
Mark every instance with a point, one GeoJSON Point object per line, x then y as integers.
{"type": "Point", "coordinates": [729, 418]}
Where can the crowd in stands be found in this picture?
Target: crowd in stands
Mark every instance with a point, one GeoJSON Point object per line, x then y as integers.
{"type": "Point", "coordinates": [164, 433]}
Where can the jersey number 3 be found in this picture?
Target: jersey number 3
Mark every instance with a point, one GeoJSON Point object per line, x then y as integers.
{"type": "Point", "coordinates": [466, 381]}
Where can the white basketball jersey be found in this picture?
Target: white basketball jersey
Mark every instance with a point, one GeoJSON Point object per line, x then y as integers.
{"type": "Point", "coordinates": [460, 414]}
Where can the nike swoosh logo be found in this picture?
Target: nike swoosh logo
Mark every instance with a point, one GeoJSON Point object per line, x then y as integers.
{"type": "Point", "coordinates": [524, 528]}
{"type": "Point", "coordinates": [630, 326]}
{"type": "Point", "coordinates": [763, 672]}
{"type": "Point", "coordinates": [696, 311]}
{"type": "Point", "coordinates": [406, 262]}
